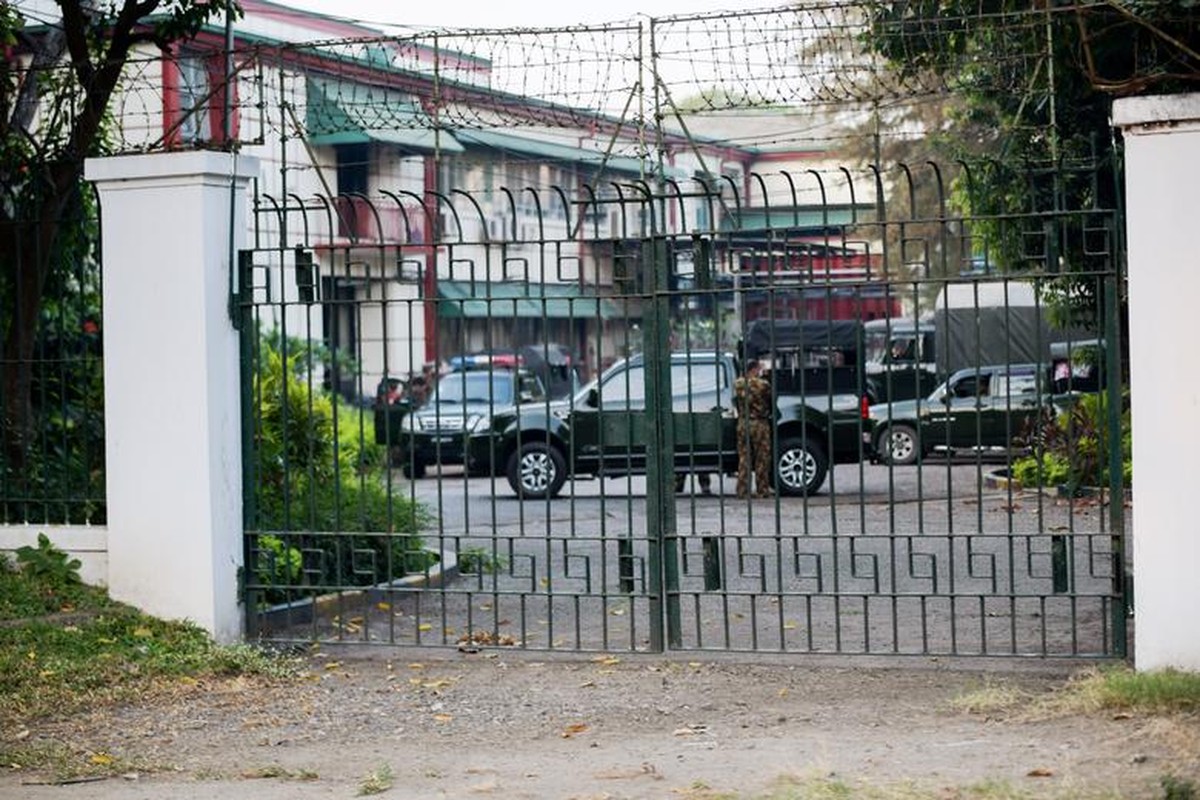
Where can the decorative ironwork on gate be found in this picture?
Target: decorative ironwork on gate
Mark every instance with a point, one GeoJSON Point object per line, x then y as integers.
{"type": "Point", "coordinates": [495, 343]}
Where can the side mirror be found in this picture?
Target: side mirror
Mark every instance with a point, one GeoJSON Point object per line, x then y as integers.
{"type": "Point", "coordinates": [593, 399]}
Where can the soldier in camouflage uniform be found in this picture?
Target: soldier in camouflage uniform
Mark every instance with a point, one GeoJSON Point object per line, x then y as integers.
{"type": "Point", "coordinates": [752, 395]}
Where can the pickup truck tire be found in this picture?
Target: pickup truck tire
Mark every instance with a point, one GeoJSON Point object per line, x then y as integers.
{"type": "Point", "coordinates": [800, 466]}
{"type": "Point", "coordinates": [898, 445]}
{"type": "Point", "coordinates": [536, 471]}
{"type": "Point", "coordinates": [414, 471]}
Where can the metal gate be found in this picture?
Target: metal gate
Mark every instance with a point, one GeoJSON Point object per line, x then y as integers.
{"type": "Point", "coordinates": [509, 418]}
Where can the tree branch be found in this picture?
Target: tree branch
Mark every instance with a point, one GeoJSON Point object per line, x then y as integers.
{"type": "Point", "coordinates": [74, 28]}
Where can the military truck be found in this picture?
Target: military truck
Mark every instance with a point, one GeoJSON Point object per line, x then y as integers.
{"type": "Point", "coordinates": [602, 431]}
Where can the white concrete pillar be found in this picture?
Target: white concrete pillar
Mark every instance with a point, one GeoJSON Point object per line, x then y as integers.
{"type": "Point", "coordinates": [1162, 173]}
{"type": "Point", "coordinates": [171, 383]}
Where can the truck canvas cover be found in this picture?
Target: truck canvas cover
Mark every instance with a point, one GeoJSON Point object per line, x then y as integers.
{"type": "Point", "coordinates": [766, 335]}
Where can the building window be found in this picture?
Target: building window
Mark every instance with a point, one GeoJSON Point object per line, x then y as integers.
{"type": "Point", "coordinates": [194, 96]}
{"type": "Point", "coordinates": [352, 161]}
{"type": "Point", "coordinates": [193, 100]}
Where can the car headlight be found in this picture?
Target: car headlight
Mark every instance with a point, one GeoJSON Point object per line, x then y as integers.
{"type": "Point", "coordinates": [409, 424]}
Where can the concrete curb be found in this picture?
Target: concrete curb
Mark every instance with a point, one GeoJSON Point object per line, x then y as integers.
{"type": "Point", "coordinates": [278, 618]}
{"type": "Point", "coordinates": [998, 479]}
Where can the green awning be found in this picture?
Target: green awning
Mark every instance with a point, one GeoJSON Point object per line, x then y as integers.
{"type": "Point", "coordinates": [544, 150]}
{"type": "Point", "coordinates": [782, 219]}
{"type": "Point", "coordinates": [466, 299]}
{"type": "Point", "coordinates": [352, 113]}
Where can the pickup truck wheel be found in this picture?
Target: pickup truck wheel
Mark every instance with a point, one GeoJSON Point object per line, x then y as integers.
{"type": "Point", "coordinates": [413, 470]}
{"type": "Point", "coordinates": [898, 445]}
{"type": "Point", "coordinates": [800, 466]}
{"type": "Point", "coordinates": [536, 471]}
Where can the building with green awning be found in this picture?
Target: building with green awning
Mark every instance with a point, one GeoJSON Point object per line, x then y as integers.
{"type": "Point", "coordinates": [341, 113]}
{"type": "Point", "coordinates": [551, 301]}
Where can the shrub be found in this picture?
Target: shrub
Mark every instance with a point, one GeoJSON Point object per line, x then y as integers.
{"type": "Point", "coordinates": [327, 519]}
{"type": "Point", "coordinates": [48, 564]}
{"type": "Point", "coordinates": [1071, 448]}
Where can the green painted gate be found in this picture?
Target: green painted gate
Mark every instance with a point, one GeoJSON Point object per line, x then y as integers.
{"type": "Point", "coordinates": [379, 512]}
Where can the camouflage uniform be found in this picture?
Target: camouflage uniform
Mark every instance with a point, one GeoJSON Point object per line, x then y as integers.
{"type": "Point", "coordinates": [755, 413]}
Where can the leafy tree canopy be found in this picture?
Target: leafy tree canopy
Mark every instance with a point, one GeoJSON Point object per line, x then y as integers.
{"type": "Point", "coordinates": [57, 81]}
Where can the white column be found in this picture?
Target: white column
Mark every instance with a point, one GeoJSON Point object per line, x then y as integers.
{"type": "Point", "coordinates": [171, 383]}
{"type": "Point", "coordinates": [1162, 173]}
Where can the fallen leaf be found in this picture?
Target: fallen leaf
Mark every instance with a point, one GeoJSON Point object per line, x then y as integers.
{"type": "Point", "coordinates": [1040, 772]}
{"type": "Point", "coordinates": [574, 729]}
{"type": "Point", "coordinates": [384, 606]}
{"type": "Point", "coordinates": [607, 661]}
{"type": "Point", "coordinates": [617, 612]}
{"type": "Point", "coordinates": [424, 626]}
{"type": "Point", "coordinates": [443, 717]}
{"type": "Point", "coordinates": [142, 633]}
{"type": "Point", "coordinates": [691, 730]}
{"type": "Point", "coordinates": [101, 759]}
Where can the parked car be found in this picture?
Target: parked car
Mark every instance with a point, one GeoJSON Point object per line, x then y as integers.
{"type": "Point", "coordinates": [602, 431]}
{"type": "Point", "coordinates": [460, 408]}
{"type": "Point", "coordinates": [978, 407]}
{"type": "Point", "coordinates": [554, 365]}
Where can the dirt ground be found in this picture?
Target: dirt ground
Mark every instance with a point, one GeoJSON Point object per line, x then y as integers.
{"type": "Point", "coordinates": [512, 725]}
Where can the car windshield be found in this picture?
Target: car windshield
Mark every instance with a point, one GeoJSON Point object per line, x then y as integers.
{"type": "Point", "coordinates": [475, 387]}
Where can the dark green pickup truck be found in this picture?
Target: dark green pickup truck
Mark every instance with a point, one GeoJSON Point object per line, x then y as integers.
{"type": "Point", "coordinates": [601, 431]}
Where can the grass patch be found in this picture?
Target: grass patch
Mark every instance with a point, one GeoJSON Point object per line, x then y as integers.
{"type": "Point", "coordinates": [66, 647]}
{"type": "Point", "coordinates": [281, 773]}
{"type": "Point", "coordinates": [822, 788]}
{"type": "Point", "coordinates": [1122, 689]}
{"type": "Point", "coordinates": [376, 782]}
{"type": "Point", "coordinates": [64, 764]}
{"type": "Point", "coordinates": [24, 594]}
{"type": "Point", "coordinates": [1160, 692]}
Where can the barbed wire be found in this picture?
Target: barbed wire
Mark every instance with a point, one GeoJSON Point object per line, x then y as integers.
{"type": "Point", "coordinates": [834, 62]}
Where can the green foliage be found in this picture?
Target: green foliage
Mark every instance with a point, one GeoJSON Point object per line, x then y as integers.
{"type": "Point", "coordinates": [1072, 448]}
{"type": "Point", "coordinates": [1030, 122]}
{"type": "Point", "coordinates": [1175, 788]}
{"type": "Point", "coordinates": [1051, 469]}
{"type": "Point", "coordinates": [278, 564]}
{"type": "Point", "coordinates": [1164, 690]}
{"type": "Point", "coordinates": [25, 593]}
{"type": "Point", "coordinates": [62, 480]}
{"type": "Point", "coordinates": [377, 781]}
{"type": "Point", "coordinates": [329, 517]}
{"type": "Point", "coordinates": [479, 561]}
{"type": "Point", "coordinates": [54, 113]}
{"type": "Point", "coordinates": [48, 564]}
{"type": "Point", "coordinates": [105, 652]}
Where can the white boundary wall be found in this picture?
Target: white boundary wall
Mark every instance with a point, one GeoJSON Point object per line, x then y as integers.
{"type": "Point", "coordinates": [1162, 171]}
{"type": "Point", "coordinates": [88, 543]}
